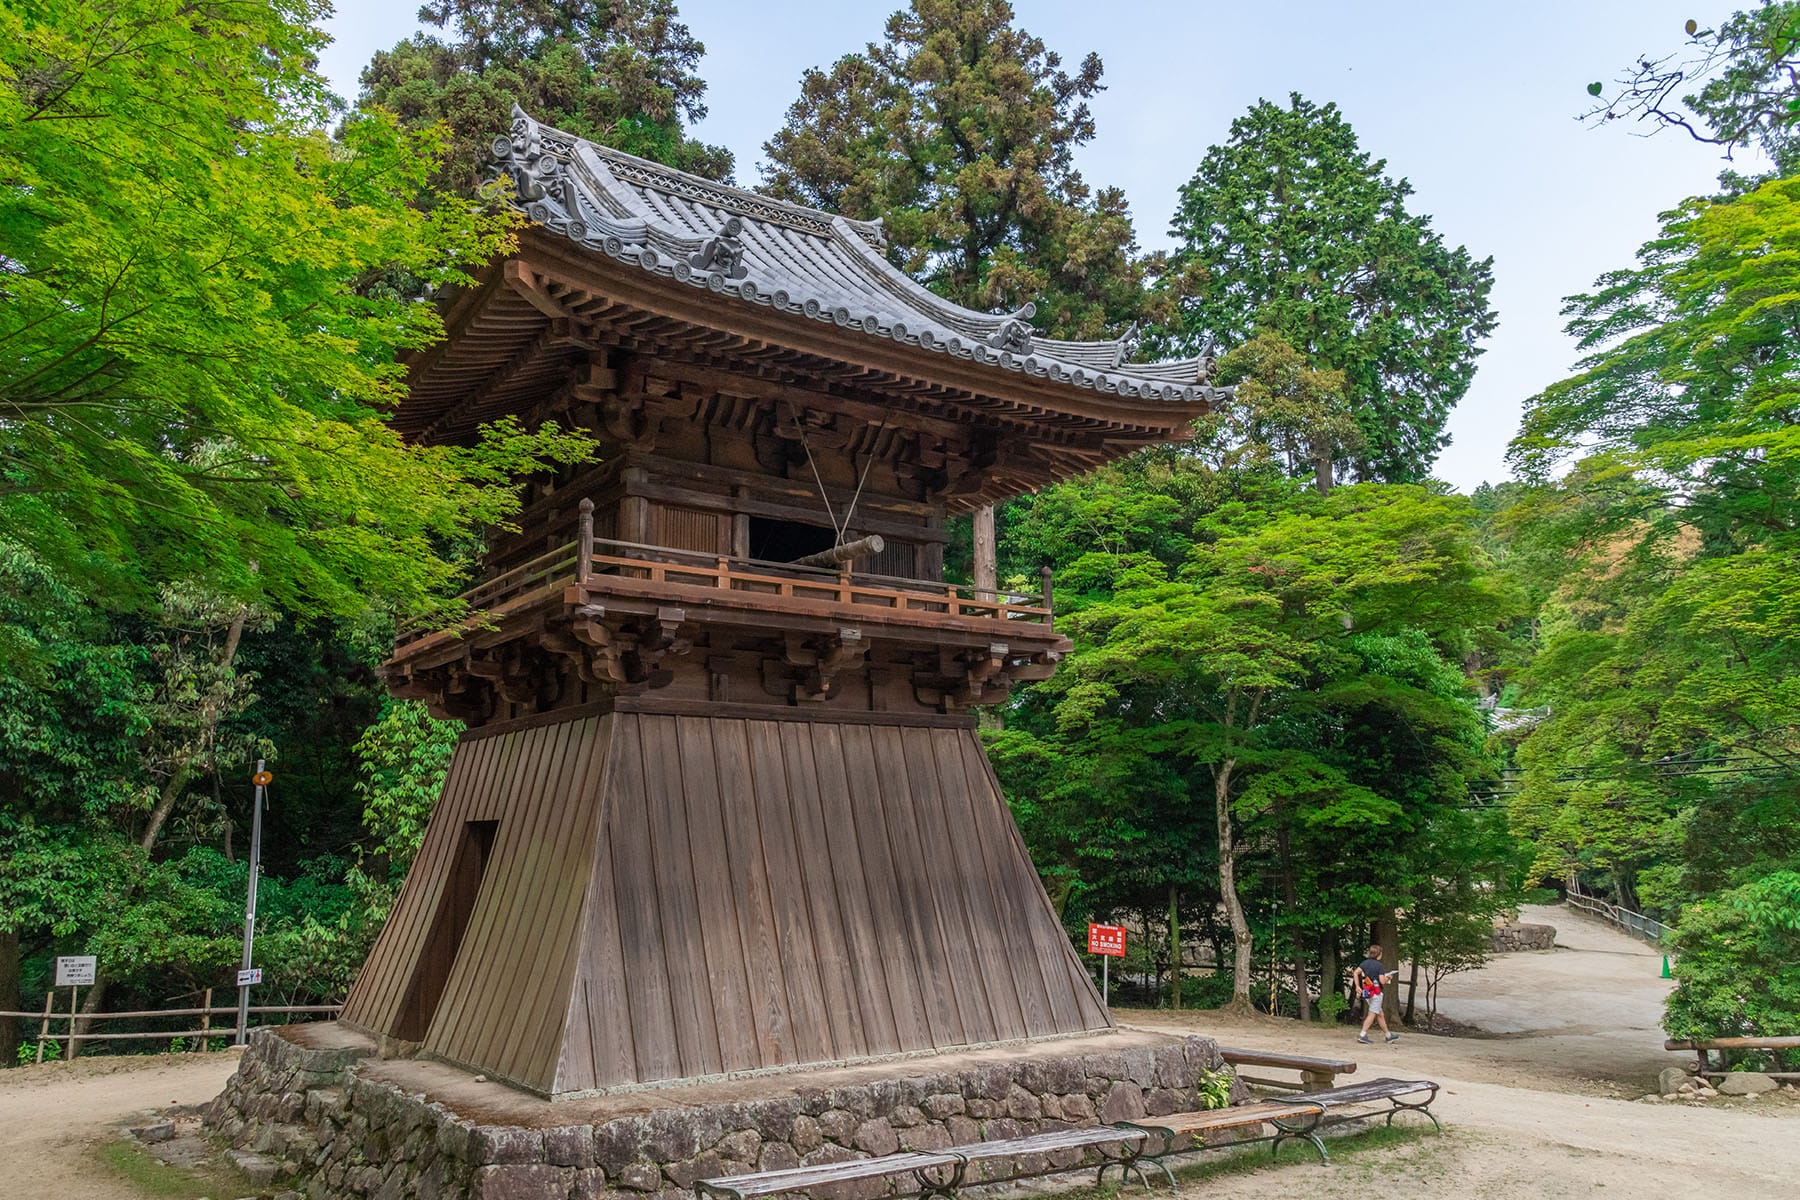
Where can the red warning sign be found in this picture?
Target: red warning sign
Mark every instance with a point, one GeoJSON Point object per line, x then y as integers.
{"type": "Point", "coordinates": [1107, 939]}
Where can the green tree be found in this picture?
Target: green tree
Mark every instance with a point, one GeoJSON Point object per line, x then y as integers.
{"type": "Point", "coordinates": [404, 757]}
{"type": "Point", "coordinates": [1258, 689]}
{"type": "Point", "coordinates": [1668, 761]}
{"type": "Point", "coordinates": [1746, 79]}
{"type": "Point", "coordinates": [1290, 228]}
{"type": "Point", "coordinates": [619, 72]}
{"type": "Point", "coordinates": [1282, 411]}
{"type": "Point", "coordinates": [1675, 635]}
{"type": "Point", "coordinates": [959, 130]}
{"type": "Point", "coordinates": [1738, 956]}
{"type": "Point", "coordinates": [197, 353]}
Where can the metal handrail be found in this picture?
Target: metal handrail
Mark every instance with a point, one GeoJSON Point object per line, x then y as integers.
{"type": "Point", "coordinates": [1648, 928]}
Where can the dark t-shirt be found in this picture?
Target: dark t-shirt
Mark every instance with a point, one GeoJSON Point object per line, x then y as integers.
{"type": "Point", "coordinates": [1373, 969]}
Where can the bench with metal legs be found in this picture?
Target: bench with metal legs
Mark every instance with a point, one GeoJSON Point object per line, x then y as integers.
{"type": "Point", "coordinates": [1394, 1091]}
{"type": "Point", "coordinates": [1290, 1119]}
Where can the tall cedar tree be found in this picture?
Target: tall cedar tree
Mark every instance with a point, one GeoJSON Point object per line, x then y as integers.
{"type": "Point", "coordinates": [621, 73]}
{"type": "Point", "coordinates": [1290, 229]}
{"type": "Point", "coordinates": [960, 129]}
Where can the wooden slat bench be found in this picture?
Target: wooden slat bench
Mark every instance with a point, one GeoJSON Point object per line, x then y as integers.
{"type": "Point", "coordinates": [938, 1173]}
{"type": "Point", "coordinates": [1128, 1145]}
{"type": "Point", "coordinates": [1375, 1090]}
{"type": "Point", "coordinates": [1315, 1073]}
{"type": "Point", "coordinates": [1289, 1118]}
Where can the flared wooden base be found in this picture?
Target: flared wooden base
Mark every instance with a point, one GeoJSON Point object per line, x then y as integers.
{"type": "Point", "coordinates": [633, 897]}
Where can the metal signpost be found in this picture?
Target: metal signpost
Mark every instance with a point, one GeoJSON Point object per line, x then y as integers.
{"type": "Point", "coordinates": [1108, 941]}
{"type": "Point", "coordinates": [246, 975]}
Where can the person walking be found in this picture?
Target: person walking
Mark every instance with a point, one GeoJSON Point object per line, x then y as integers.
{"type": "Point", "coordinates": [1368, 979]}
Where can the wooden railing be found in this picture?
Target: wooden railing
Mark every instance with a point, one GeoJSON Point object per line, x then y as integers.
{"type": "Point", "coordinates": [580, 561]}
{"type": "Point", "coordinates": [557, 566]}
{"type": "Point", "coordinates": [206, 1012]}
{"type": "Point", "coordinates": [688, 568]}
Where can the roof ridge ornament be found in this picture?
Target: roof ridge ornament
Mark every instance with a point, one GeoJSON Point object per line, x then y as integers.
{"type": "Point", "coordinates": [1014, 334]}
{"type": "Point", "coordinates": [537, 173]}
{"type": "Point", "coordinates": [724, 253]}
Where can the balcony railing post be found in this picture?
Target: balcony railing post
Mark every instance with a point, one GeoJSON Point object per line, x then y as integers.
{"type": "Point", "coordinates": [1049, 606]}
{"type": "Point", "coordinates": [584, 540]}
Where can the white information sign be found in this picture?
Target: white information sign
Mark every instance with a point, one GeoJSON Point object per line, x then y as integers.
{"type": "Point", "coordinates": [76, 970]}
{"type": "Point", "coordinates": [248, 977]}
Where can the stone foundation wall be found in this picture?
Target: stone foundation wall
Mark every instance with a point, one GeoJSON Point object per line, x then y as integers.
{"type": "Point", "coordinates": [1518, 936]}
{"type": "Point", "coordinates": [338, 1135]}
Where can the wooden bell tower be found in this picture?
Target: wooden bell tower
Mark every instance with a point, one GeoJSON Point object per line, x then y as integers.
{"type": "Point", "coordinates": [720, 806]}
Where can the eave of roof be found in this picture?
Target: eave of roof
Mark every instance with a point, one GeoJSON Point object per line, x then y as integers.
{"type": "Point", "coordinates": [800, 263]}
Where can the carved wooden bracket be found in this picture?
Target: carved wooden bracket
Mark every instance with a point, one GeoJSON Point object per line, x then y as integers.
{"type": "Point", "coordinates": [822, 660]}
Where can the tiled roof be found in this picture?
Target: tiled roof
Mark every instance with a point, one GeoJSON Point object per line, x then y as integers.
{"type": "Point", "coordinates": [811, 264]}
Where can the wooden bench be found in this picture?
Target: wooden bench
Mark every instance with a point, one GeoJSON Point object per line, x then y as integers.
{"type": "Point", "coordinates": [1128, 1145]}
{"type": "Point", "coordinates": [1375, 1090]}
{"type": "Point", "coordinates": [938, 1173]}
{"type": "Point", "coordinates": [1315, 1073]}
{"type": "Point", "coordinates": [1701, 1046]}
{"type": "Point", "coordinates": [1291, 1119]}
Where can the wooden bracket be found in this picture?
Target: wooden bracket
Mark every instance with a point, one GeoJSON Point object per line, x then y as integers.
{"type": "Point", "coordinates": [822, 660]}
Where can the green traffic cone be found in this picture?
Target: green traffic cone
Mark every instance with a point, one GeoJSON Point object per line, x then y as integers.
{"type": "Point", "coordinates": [1665, 973]}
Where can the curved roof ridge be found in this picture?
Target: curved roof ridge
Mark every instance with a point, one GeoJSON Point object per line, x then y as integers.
{"type": "Point", "coordinates": [800, 261]}
{"type": "Point", "coordinates": [903, 287]}
{"type": "Point", "coordinates": [739, 201]}
{"type": "Point", "coordinates": [1102, 356]}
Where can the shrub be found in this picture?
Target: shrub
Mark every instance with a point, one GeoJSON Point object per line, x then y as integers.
{"type": "Point", "coordinates": [1738, 963]}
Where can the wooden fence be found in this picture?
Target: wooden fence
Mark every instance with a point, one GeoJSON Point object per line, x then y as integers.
{"type": "Point", "coordinates": [206, 1012]}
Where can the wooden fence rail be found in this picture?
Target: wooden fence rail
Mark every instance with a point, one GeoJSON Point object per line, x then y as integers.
{"type": "Point", "coordinates": [206, 1014]}
{"type": "Point", "coordinates": [1648, 928]}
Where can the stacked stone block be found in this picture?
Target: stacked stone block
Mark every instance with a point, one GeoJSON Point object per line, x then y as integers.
{"type": "Point", "coordinates": [341, 1136]}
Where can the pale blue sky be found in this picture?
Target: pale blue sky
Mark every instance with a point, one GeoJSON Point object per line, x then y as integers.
{"type": "Point", "coordinates": [1473, 102]}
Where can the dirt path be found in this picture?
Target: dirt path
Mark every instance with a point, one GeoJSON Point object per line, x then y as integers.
{"type": "Point", "coordinates": [1543, 1103]}
{"type": "Point", "coordinates": [52, 1117]}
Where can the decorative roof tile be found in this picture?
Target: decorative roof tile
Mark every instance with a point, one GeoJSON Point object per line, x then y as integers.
{"type": "Point", "coordinates": [798, 260]}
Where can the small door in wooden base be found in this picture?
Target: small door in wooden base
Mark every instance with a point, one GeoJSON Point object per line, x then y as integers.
{"type": "Point", "coordinates": [633, 897]}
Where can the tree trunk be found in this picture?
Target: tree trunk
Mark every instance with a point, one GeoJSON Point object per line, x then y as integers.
{"type": "Point", "coordinates": [1296, 943]}
{"type": "Point", "coordinates": [1385, 932]}
{"type": "Point", "coordinates": [1322, 474]}
{"type": "Point", "coordinates": [1412, 991]}
{"type": "Point", "coordinates": [9, 997]}
{"type": "Point", "coordinates": [184, 773]}
{"type": "Point", "coordinates": [1328, 963]}
{"type": "Point", "coordinates": [1241, 958]}
{"type": "Point", "coordinates": [1174, 950]}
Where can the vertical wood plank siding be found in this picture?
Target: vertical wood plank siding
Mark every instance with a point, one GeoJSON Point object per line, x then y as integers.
{"type": "Point", "coordinates": [690, 529]}
{"type": "Point", "coordinates": [676, 896]}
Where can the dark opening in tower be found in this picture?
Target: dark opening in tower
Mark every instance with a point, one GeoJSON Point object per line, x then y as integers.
{"type": "Point", "coordinates": [455, 907]}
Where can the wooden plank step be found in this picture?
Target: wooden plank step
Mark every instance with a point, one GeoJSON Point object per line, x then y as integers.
{"type": "Point", "coordinates": [1363, 1093]}
{"type": "Point", "coordinates": [1177, 1124]}
{"type": "Point", "coordinates": [1295, 1062]}
{"type": "Point", "coordinates": [793, 1179]}
{"type": "Point", "coordinates": [1039, 1143]}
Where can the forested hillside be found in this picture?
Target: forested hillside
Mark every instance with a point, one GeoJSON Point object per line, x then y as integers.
{"type": "Point", "coordinates": [1316, 698]}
